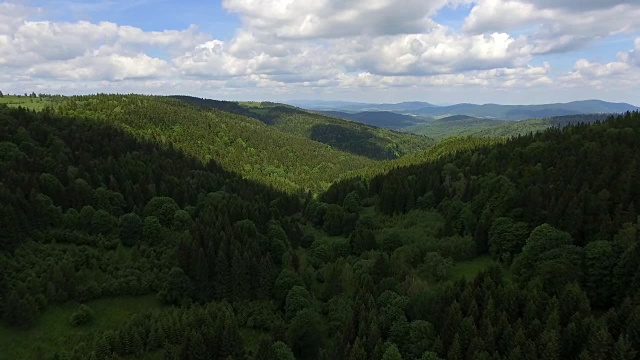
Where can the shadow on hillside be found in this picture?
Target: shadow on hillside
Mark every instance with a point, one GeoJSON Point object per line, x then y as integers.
{"type": "Point", "coordinates": [357, 142]}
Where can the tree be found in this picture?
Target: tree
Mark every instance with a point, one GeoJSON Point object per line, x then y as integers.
{"type": "Point", "coordinates": [600, 260]}
{"type": "Point", "coordinates": [281, 351]}
{"type": "Point", "coordinates": [429, 355]}
{"type": "Point", "coordinates": [362, 240]}
{"type": "Point", "coordinates": [82, 316]}
{"type": "Point", "coordinates": [163, 208]}
{"type": "Point", "coordinates": [298, 299]}
{"type": "Point", "coordinates": [305, 335]}
{"type": "Point", "coordinates": [286, 280]}
{"type": "Point", "coordinates": [151, 230]}
{"type": "Point", "coordinates": [435, 266]}
{"type": "Point", "coordinates": [1, 94]}
{"type": "Point", "coordinates": [352, 202]}
{"type": "Point", "coordinates": [130, 229]}
{"type": "Point", "coordinates": [334, 220]}
{"type": "Point", "coordinates": [176, 287]}
{"type": "Point", "coordinates": [506, 238]}
{"type": "Point", "coordinates": [542, 239]}
{"type": "Point", "coordinates": [391, 353]}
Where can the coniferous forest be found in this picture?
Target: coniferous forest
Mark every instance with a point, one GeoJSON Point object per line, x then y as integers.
{"type": "Point", "coordinates": [136, 227]}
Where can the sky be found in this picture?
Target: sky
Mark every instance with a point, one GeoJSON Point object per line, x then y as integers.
{"type": "Point", "coordinates": [440, 51]}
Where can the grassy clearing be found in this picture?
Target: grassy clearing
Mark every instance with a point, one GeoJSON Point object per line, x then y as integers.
{"type": "Point", "coordinates": [470, 268]}
{"type": "Point", "coordinates": [53, 331]}
{"type": "Point", "coordinates": [36, 104]}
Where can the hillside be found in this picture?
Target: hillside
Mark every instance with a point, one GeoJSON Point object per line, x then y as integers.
{"type": "Point", "coordinates": [522, 112]}
{"type": "Point", "coordinates": [239, 143]}
{"type": "Point", "coordinates": [346, 106]}
{"type": "Point", "coordinates": [485, 111]}
{"type": "Point", "coordinates": [384, 119]}
{"type": "Point", "coordinates": [118, 225]}
{"type": "Point", "coordinates": [354, 137]}
{"type": "Point", "coordinates": [116, 244]}
{"type": "Point", "coordinates": [463, 125]}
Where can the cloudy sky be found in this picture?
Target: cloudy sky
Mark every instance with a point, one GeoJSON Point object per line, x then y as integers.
{"type": "Point", "coordinates": [442, 51]}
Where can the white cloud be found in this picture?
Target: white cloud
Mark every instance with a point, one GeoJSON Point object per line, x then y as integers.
{"type": "Point", "coordinates": [555, 26]}
{"type": "Point", "coordinates": [335, 18]}
{"type": "Point", "coordinates": [96, 66]}
{"type": "Point", "coordinates": [623, 72]}
{"type": "Point", "coordinates": [288, 47]}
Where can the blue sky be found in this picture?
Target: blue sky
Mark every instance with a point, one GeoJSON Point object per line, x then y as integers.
{"type": "Point", "coordinates": [443, 51]}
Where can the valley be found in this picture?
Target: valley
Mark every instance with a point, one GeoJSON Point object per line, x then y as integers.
{"type": "Point", "coordinates": [185, 228]}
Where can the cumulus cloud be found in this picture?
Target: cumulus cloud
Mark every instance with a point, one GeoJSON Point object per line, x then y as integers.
{"type": "Point", "coordinates": [624, 71]}
{"type": "Point", "coordinates": [558, 26]}
{"type": "Point", "coordinates": [96, 67]}
{"type": "Point", "coordinates": [288, 46]}
{"type": "Point", "coordinates": [336, 18]}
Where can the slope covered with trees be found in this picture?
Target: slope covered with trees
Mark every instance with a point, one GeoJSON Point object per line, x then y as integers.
{"type": "Point", "coordinates": [527, 248]}
{"type": "Point", "coordinates": [239, 143]}
{"type": "Point", "coordinates": [462, 125]}
{"type": "Point", "coordinates": [354, 137]}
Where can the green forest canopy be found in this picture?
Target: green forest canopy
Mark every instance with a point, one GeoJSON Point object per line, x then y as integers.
{"type": "Point", "coordinates": [100, 208]}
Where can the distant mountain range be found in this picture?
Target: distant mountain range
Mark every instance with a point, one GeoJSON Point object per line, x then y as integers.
{"type": "Point", "coordinates": [485, 111]}
{"type": "Point", "coordinates": [345, 106]}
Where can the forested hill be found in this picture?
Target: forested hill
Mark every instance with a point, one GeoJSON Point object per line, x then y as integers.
{"type": "Point", "coordinates": [354, 137]}
{"type": "Point", "coordinates": [88, 211]}
{"type": "Point", "coordinates": [582, 179]}
{"type": "Point", "coordinates": [239, 143]}
{"type": "Point", "coordinates": [120, 239]}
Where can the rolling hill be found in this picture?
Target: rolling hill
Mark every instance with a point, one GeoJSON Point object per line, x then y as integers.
{"type": "Point", "coordinates": [488, 111]}
{"type": "Point", "coordinates": [350, 136]}
{"type": "Point", "coordinates": [125, 235]}
{"type": "Point", "coordinates": [345, 106]}
{"type": "Point", "coordinates": [463, 125]}
{"type": "Point", "coordinates": [239, 143]}
{"type": "Point", "coordinates": [384, 119]}
{"type": "Point", "coordinates": [522, 112]}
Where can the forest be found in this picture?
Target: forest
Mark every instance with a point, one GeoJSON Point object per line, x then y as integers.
{"type": "Point", "coordinates": [171, 228]}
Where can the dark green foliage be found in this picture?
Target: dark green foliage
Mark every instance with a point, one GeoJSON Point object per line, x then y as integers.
{"type": "Point", "coordinates": [507, 238]}
{"type": "Point", "coordinates": [305, 335]}
{"type": "Point", "coordinates": [298, 299]}
{"type": "Point", "coordinates": [334, 220]}
{"type": "Point", "coordinates": [244, 271]}
{"type": "Point", "coordinates": [281, 351]}
{"type": "Point", "coordinates": [542, 240]}
{"type": "Point", "coordinates": [130, 229]}
{"type": "Point", "coordinates": [82, 316]}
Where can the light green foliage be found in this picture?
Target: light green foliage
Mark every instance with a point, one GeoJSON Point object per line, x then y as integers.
{"type": "Point", "coordinates": [277, 156]}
